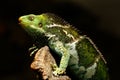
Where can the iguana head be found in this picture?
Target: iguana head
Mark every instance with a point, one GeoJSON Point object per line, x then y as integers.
{"type": "Point", "coordinates": [35, 24]}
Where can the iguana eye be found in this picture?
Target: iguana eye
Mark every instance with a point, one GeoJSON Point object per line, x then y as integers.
{"type": "Point", "coordinates": [40, 24]}
{"type": "Point", "coordinates": [31, 18]}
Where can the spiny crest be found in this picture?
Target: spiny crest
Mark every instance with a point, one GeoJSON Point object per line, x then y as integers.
{"type": "Point", "coordinates": [59, 20]}
{"type": "Point", "coordinates": [74, 28]}
{"type": "Point", "coordinates": [56, 19]}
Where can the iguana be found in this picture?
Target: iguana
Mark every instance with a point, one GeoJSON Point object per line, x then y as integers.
{"type": "Point", "coordinates": [77, 51]}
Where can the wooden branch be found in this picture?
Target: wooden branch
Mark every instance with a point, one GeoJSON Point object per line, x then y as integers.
{"type": "Point", "coordinates": [42, 64]}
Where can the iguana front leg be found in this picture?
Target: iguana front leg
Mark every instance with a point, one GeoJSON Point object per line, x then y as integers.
{"type": "Point", "coordinates": [60, 49]}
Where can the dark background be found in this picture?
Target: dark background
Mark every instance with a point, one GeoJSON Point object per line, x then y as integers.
{"type": "Point", "coordinates": [98, 19]}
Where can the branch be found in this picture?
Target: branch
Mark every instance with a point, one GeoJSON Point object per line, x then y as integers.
{"type": "Point", "coordinates": [42, 64]}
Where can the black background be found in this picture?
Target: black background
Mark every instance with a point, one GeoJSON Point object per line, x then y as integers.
{"type": "Point", "coordinates": [99, 20]}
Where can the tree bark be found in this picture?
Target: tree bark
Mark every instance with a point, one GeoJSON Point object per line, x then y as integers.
{"type": "Point", "coordinates": [43, 62]}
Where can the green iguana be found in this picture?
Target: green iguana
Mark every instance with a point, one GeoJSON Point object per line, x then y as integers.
{"type": "Point", "coordinates": [77, 52]}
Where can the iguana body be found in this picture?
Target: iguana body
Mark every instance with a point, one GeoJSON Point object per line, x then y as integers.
{"type": "Point", "coordinates": [77, 52]}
